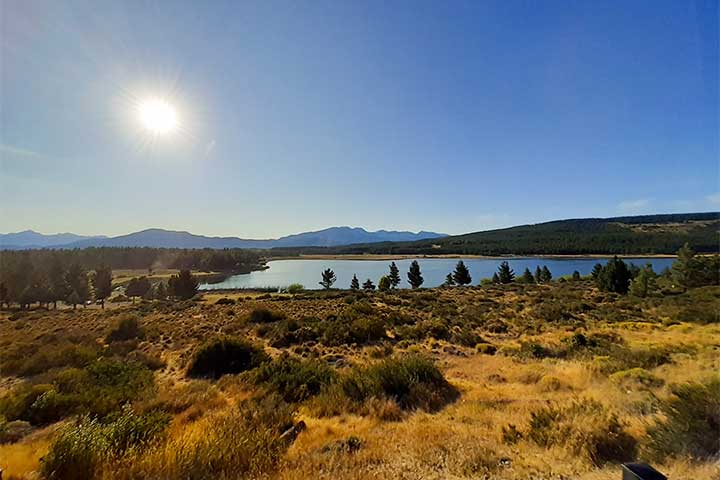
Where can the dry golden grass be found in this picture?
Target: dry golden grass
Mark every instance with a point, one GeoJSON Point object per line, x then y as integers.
{"type": "Point", "coordinates": [462, 440]}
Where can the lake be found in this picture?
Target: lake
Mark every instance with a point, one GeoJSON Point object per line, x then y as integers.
{"type": "Point", "coordinates": [282, 273]}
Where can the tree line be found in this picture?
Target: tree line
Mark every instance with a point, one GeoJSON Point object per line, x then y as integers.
{"type": "Point", "coordinates": [688, 271]}
{"type": "Point", "coordinates": [48, 277]}
{"type": "Point", "coordinates": [140, 258]}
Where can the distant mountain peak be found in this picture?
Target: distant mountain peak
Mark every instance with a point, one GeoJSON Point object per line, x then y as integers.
{"type": "Point", "coordinates": [164, 238]}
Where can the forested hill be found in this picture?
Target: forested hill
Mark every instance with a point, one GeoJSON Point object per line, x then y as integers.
{"type": "Point", "coordinates": [646, 234]}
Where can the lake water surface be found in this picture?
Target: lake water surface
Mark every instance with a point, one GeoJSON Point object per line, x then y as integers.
{"type": "Point", "coordinates": [282, 273]}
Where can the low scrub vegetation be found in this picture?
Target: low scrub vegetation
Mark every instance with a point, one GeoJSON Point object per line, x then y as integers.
{"type": "Point", "coordinates": [497, 381]}
{"type": "Point", "coordinates": [583, 427]}
{"type": "Point", "coordinates": [223, 355]}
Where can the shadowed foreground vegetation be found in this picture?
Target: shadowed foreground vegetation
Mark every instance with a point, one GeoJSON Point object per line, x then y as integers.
{"type": "Point", "coordinates": [562, 379]}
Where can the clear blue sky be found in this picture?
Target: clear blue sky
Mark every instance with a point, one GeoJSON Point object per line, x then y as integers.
{"type": "Point", "coordinates": [443, 115]}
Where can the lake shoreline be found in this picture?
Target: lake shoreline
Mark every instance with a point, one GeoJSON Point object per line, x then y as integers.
{"type": "Point", "coordinates": [376, 257]}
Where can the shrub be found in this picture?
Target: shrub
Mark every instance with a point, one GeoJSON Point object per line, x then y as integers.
{"type": "Point", "coordinates": [225, 301]}
{"type": "Point", "coordinates": [295, 288]}
{"type": "Point", "coordinates": [80, 449]}
{"type": "Point", "coordinates": [224, 355]}
{"type": "Point", "coordinates": [27, 360]}
{"type": "Point", "coordinates": [128, 328]}
{"type": "Point", "coordinates": [412, 381]}
{"type": "Point", "coordinates": [11, 432]}
{"type": "Point", "coordinates": [295, 380]}
{"type": "Point", "coordinates": [99, 389]}
{"type": "Point", "coordinates": [636, 376]}
{"type": "Point", "coordinates": [265, 315]}
{"type": "Point", "coordinates": [585, 428]}
{"type": "Point", "coordinates": [692, 425]}
{"type": "Point", "coordinates": [703, 315]}
{"type": "Point", "coordinates": [246, 442]}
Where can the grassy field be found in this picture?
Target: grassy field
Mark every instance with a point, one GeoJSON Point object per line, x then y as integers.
{"type": "Point", "coordinates": [507, 381]}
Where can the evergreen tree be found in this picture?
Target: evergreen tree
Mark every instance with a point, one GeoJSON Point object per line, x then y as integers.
{"type": "Point", "coordinates": [615, 277]}
{"type": "Point", "coordinates": [77, 280]}
{"type": "Point", "coordinates": [161, 291]}
{"type": "Point", "coordinates": [546, 275]}
{"type": "Point", "coordinates": [576, 276]}
{"type": "Point", "coordinates": [368, 285]}
{"type": "Point", "coordinates": [184, 285]}
{"type": "Point", "coordinates": [461, 275]}
{"type": "Point", "coordinates": [644, 284]}
{"type": "Point", "coordinates": [138, 287]}
{"type": "Point", "coordinates": [328, 278]}
{"type": "Point", "coordinates": [685, 269]}
{"type": "Point", "coordinates": [394, 276]}
{"type": "Point", "coordinates": [528, 276]}
{"type": "Point", "coordinates": [597, 271]}
{"type": "Point", "coordinates": [102, 284]}
{"type": "Point", "coordinates": [538, 275]}
{"type": "Point", "coordinates": [449, 280]}
{"type": "Point", "coordinates": [414, 275]}
{"type": "Point", "coordinates": [505, 273]}
{"type": "Point", "coordinates": [354, 283]}
{"type": "Point", "coordinates": [384, 284]}
{"type": "Point", "coordinates": [73, 299]}
{"type": "Point", "coordinates": [59, 288]}
{"type": "Point", "coordinates": [495, 278]}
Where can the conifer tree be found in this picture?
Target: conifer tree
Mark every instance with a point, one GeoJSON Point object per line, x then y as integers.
{"type": "Point", "coordinates": [546, 275]}
{"type": "Point", "coordinates": [102, 283]}
{"type": "Point", "coordinates": [328, 278]}
{"type": "Point", "coordinates": [414, 275]}
{"type": "Point", "coordinates": [394, 275]}
{"type": "Point", "coordinates": [495, 278]}
{"type": "Point", "coordinates": [685, 268]}
{"type": "Point", "coordinates": [59, 288]}
{"type": "Point", "coordinates": [644, 284]}
{"type": "Point", "coordinates": [354, 283]}
{"type": "Point", "coordinates": [528, 276]}
{"type": "Point", "coordinates": [77, 280]}
{"type": "Point", "coordinates": [615, 277]}
{"type": "Point", "coordinates": [538, 275]}
{"type": "Point", "coordinates": [576, 276]}
{"type": "Point", "coordinates": [384, 284]}
{"type": "Point", "coordinates": [461, 275]}
{"type": "Point", "coordinates": [184, 285]}
{"type": "Point", "coordinates": [368, 285]}
{"type": "Point", "coordinates": [449, 280]}
{"type": "Point", "coordinates": [505, 273]}
{"type": "Point", "coordinates": [73, 299]}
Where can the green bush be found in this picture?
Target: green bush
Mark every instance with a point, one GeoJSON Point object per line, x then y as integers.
{"type": "Point", "coordinates": [413, 382]}
{"type": "Point", "coordinates": [294, 379]}
{"type": "Point", "coordinates": [99, 389]}
{"type": "Point", "coordinates": [32, 359]}
{"type": "Point", "coordinates": [223, 355]}
{"type": "Point", "coordinates": [585, 428]}
{"type": "Point", "coordinates": [80, 450]}
{"type": "Point", "coordinates": [128, 328]}
{"type": "Point", "coordinates": [692, 423]}
{"type": "Point", "coordinates": [265, 315]}
{"type": "Point", "coordinates": [225, 301]}
{"type": "Point", "coordinates": [295, 288]}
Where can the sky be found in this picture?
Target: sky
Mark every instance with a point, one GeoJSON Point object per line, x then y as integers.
{"type": "Point", "coordinates": [446, 116]}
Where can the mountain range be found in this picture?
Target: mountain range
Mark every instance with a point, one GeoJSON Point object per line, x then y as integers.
{"type": "Point", "coordinates": [159, 238]}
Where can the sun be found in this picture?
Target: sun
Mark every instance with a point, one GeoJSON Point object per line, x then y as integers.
{"type": "Point", "coordinates": [158, 116]}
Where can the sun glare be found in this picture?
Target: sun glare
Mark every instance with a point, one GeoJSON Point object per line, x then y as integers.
{"type": "Point", "coordinates": [158, 116]}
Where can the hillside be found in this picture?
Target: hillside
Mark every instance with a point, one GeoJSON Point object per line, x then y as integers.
{"type": "Point", "coordinates": [646, 234]}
